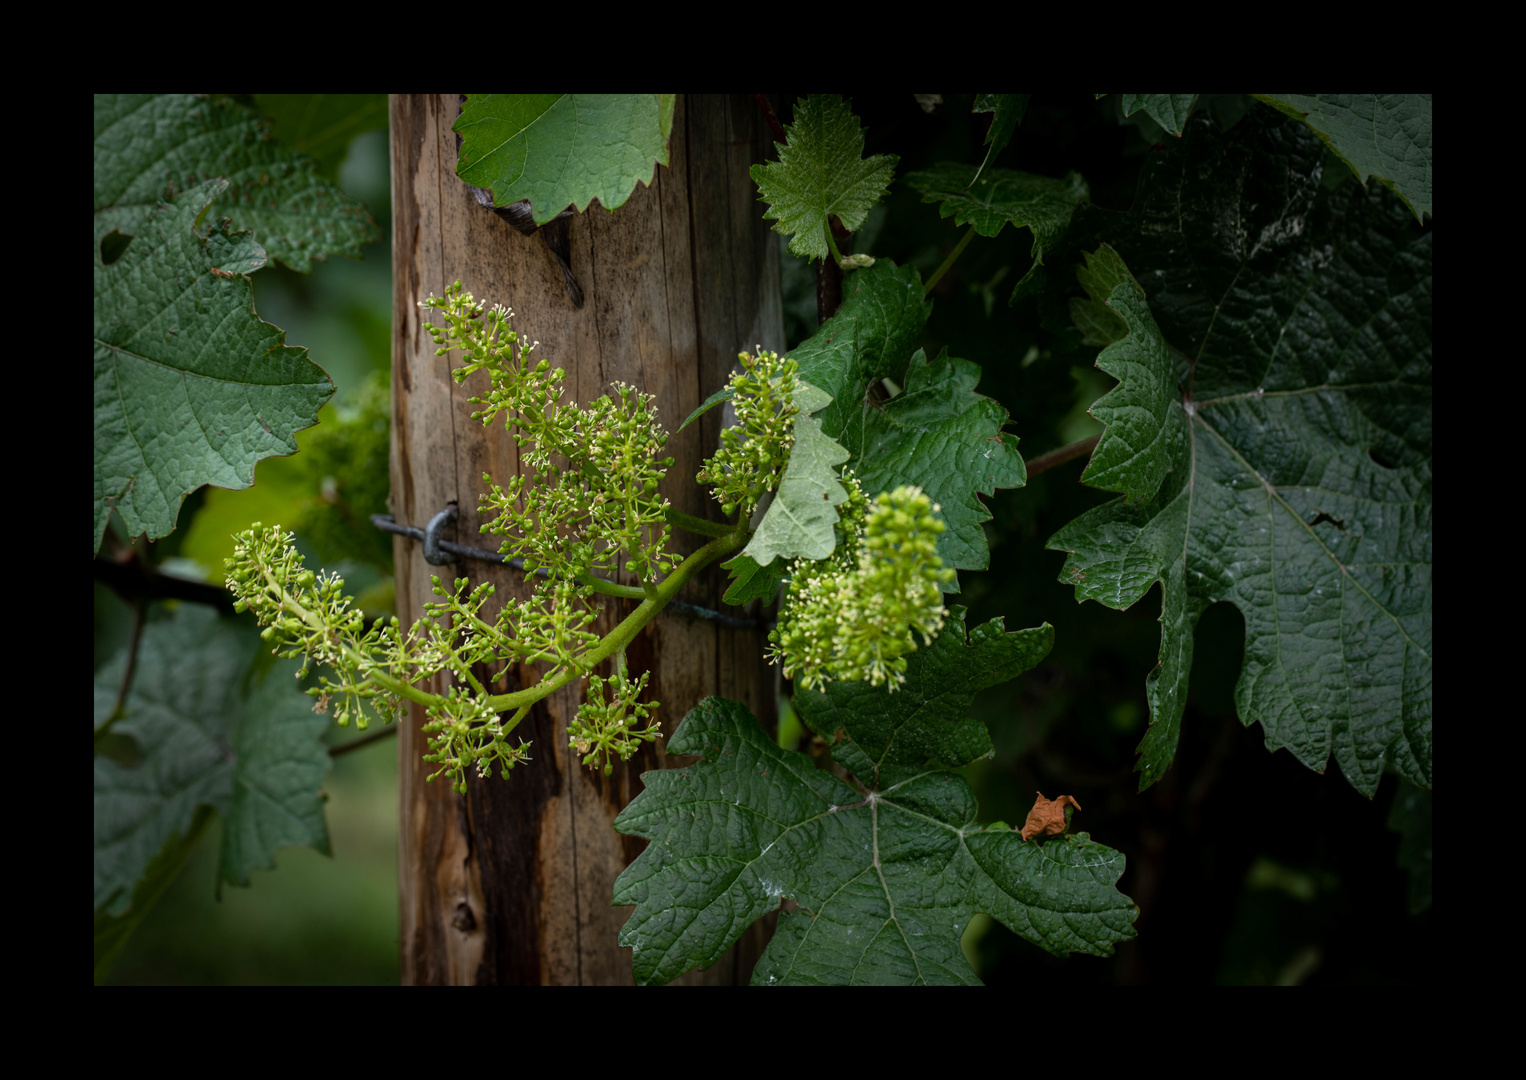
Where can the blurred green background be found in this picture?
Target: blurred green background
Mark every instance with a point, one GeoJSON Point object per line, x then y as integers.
{"type": "Point", "coordinates": [1247, 867]}
{"type": "Point", "coordinates": [313, 919]}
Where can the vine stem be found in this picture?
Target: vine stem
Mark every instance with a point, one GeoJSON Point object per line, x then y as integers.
{"type": "Point", "coordinates": [773, 121]}
{"type": "Point", "coordinates": [969, 234]}
{"type": "Point", "coordinates": [618, 638]}
{"type": "Point", "coordinates": [1045, 462]}
{"type": "Point", "coordinates": [692, 524]}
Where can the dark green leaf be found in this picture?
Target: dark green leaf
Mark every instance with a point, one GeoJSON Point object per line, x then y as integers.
{"type": "Point", "coordinates": [870, 338]}
{"type": "Point", "coordinates": [112, 932]}
{"type": "Point", "coordinates": [942, 436]}
{"type": "Point", "coordinates": [750, 582]}
{"type": "Point", "coordinates": [937, 433]}
{"type": "Point", "coordinates": [1387, 136]}
{"type": "Point", "coordinates": [191, 387]}
{"type": "Point", "coordinates": [257, 759]}
{"type": "Point", "coordinates": [322, 126]}
{"type": "Point", "coordinates": [725, 393]}
{"type": "Point", "coordinates": [999, 196]}
{"type": "Point", "coordinates": [1009, 109]}
{"type": "Point", "coordinates": [154, 147]}
{"type": "Point", "coordinates": [1298, 446]}
{"type": "Point", "coordinates": [560, 150]}
{"type": "Point", "coordinates": [1170, 111]}
{"type": "Point", "coordinates": [1132, 456]}
{"type": "Point", "coordinates": [821, 171]}
{"type": "Point", "coordinates": [885, 878]}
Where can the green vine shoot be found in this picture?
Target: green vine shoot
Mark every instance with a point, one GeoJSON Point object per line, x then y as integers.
{"type": "Point", "coordinates": [586, 505]}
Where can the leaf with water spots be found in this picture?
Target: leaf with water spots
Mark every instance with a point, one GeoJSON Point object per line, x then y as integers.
{"type": "Point", "coordinates": [886, 869]}
{"type": "Point", "coordinates": [1272, 432]}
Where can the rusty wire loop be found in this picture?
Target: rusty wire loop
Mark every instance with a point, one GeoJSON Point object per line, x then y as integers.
{"type": "Point", "coordinates": [440, 552]}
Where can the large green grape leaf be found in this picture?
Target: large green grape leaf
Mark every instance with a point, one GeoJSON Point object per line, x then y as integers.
{"type": "Point", "coordinates": [821, 171]}
{"type": "Point", "coordinates": [1387, 136]}
{"type": "Point", "coordinates": [191, 387]}
{"type": "Point", "coordinates": [151, 147]}
{"type": "Point", "coordinates": [887, 874]}
{"type": "Point", "coordinates": [211, 730]}
{"type": "Point", "coordinates": [937, 433]}
{"type": "Point", "coordinates": [1296, 428]}
{"type": "Point", "coordinates": [999, 196]}
{"type": "Point", "coordinates": [561, 150]}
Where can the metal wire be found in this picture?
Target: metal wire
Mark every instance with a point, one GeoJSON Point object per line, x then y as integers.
{"type": "Point", "coordinates": [441, 552]}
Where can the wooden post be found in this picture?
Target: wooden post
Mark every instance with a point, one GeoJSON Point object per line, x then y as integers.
{"type": "Point", "coordinates": [511, 883]}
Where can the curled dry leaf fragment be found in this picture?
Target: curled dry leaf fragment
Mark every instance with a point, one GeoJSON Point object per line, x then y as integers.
{"type": "Point", "coordinates": [1047, 818]}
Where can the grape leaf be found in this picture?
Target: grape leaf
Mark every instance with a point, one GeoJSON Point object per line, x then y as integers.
{"type": "Point", "coordinates": [937, 433]}
{"type": "Point", "coordinates": [1132, 455]}
{"type": "Point", "coordinates": [560, 150]}
{"type": "Point", "coordinates": [191, 387]}
{"type": "Point", "coordinates": [999, 196]}
{"type": "Point", "coordinates": [1297, 440]}
{"type": "Point", "coordinates": [821, 171]}
{"type": "Point", "coordinates": [800, 521]}
{"type": "Point", "coordinates": [1170, 111]}
{"type": "Point", "coordinates": [870, 337]}
{"type": "Point", "coordinates": [1383, 135]}
{"type": "Point", "coordinates": [886, 878]}
{"type": "Point", "coordinates": [1009, 109]}
{"type": "Point", "coordinates": [750, 582]}
{"type": "Point", "coordinates": [322, 126]}
{"type": "Point", "coordinates": [725, 393]}
{"type": "Point", "coordinates": [149, 147]}
{"type": "Point", "coordinates": [257, 759]}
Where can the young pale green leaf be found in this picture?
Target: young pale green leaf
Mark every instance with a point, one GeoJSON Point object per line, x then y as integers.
{"type": "Point", "coordinates": [1298, 450]}
{"type": "Point", "coordinates": [191, 387]}
{"type": "Point", "coordinates": [1170, 111]}
{"type": "Point", "coordinates": [1387, 136]}
{"type": "Point", "coordinates": [942, 436]}
{"type": "Point", "coordinates": [560, 150]}
{"type": "Point", "coordinates": [821, 171]}
{"type": "Point", "coordinates": [799, 522]}
{"type": "Point", "coordinates": [885, 878]}
{"type": "Point", "coordinates": [150, 147]}
{"type": "Point", "coordinates": [258, 760]}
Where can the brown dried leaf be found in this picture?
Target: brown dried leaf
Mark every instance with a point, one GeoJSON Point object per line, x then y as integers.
{"type": "Point", "coordinates": [1047, 818]}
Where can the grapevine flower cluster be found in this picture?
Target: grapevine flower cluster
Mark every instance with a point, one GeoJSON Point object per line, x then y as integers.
{"type": "Point", "coordinates": [753, 453]}
{"type": "Point", "coordinates": [852, 615]}
{"type": "Point", "coordinates": [585, 507]}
